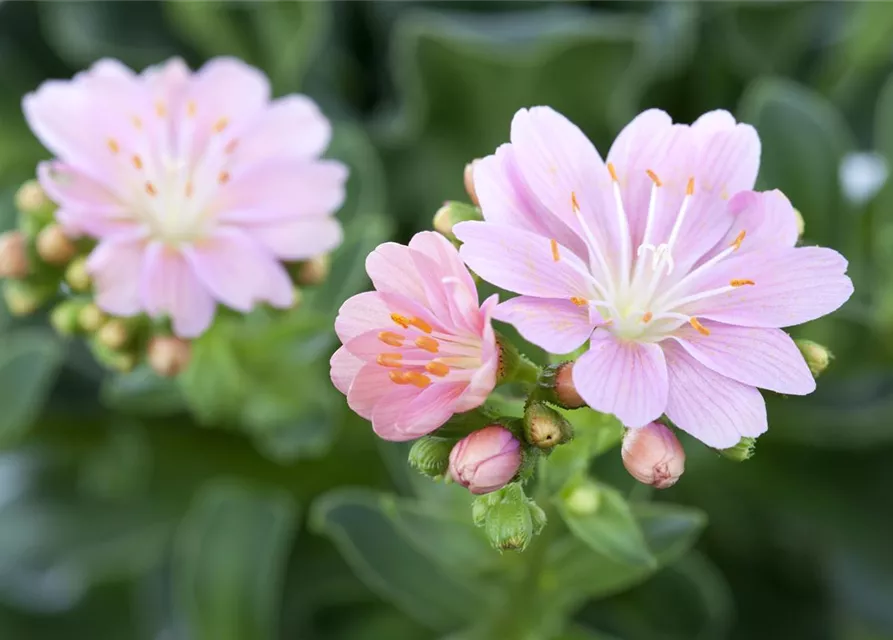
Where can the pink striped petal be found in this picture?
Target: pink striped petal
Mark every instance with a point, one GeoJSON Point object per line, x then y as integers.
{"type": "Point", "coordinates": [343, 368]}
{"type": "Point", "coordinates": [765, 358]}
{"type": "Point", "coordinates": [291, 127]}
{"type": "Point", "coordinates": [370, 385]}
{"type": "Point", "coordinates": [767, 219]}
{"type": "Point", "coordinates": [558, 326]}
{"type": "Point", "coordinates": [715, 409]}
{"type": "Point", "coordinates": [361, 313]}
{"type": "Point", "coordinates": [410, 416]}
{"type": "Point", "coordinates": [115, 266]}
{"type": "Point", "coordinates": [168, 286]}
{"type": "Point", "coordinates": [298, 239]}
{"type": "Point", "coordinates": [392, 270]}
{"type": "Point", "coordinates": [627, 379]}
{"type": "Point", "coordinates": [728, 153]}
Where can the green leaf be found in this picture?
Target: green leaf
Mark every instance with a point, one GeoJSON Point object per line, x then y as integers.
{"type": "Point", "coordinates": [804, 139]}
{"type": "Point", "coordinates": [230, 556]}
{"type": "Point", "coordinates": [594, 434]}
{"type": "Point", "coordinates": [143, 392]}
{"type": "Point", "coordinates": [29, 361]}
{"type": "Point", "coordinates": [358, 523]}
{"type": "Point", "coordinates": [599, 516]}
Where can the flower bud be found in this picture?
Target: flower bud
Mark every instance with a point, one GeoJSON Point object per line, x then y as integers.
{"type": "Point", "coordinates": [64, 317]}
{"type": "Point", "coordinates": [430, 455]}
{"type": "Point", "coordinates": [653, 455]}
{"type": "Point", "coordinates": [313, 271]}
{"type": "Point", "coordinates": [54, 247]}
{"type": "Point", "coordinates": [451, 214]}
{"type": "Point", "coordinates": [114, 334]}
{"type": "Point", "coordinates": [123, 362]}
{"type": "Point", "coordinates": [485, 460]}
{"type": "Point", "coordinates": [13, 255]}
{"type": "Point", "coordinates": [76, 275]}
{"type": "Point", "coordinates": [468, 175]}
{"type": "Point", "coordinates": [556, 385]}
{"type": "Point", "coordinates": [742, 451]}
{"type": "Point", "coordinates": [31, 199]}
{"type": "Point", "coordinates": [801, 223]}
{"type": "Point", "coordinates": [91, 318]}
{"type": "Point", "coordinates": [23, 298]}
{"type": "Point", "coordinates": [168, 356]}
{"type": "Point", "coordinates": [509, 526]}
{"type": "Point", "coordinates": [584, 499]}
{"type": "Point", "coordinates": [817, 357]}
{"type": "Point", "coordinates": [544, 427]}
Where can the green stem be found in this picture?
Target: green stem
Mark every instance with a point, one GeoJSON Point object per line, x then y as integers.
{"type": "Point", "coordinates": [527, 372]}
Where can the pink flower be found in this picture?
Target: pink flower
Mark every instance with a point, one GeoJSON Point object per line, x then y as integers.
{"type": "Point", "coordinates": [486, 460]}
{"type": "Point", "coordinates": [195, 184]}
{"type": "Point", "coordinates": [420, 348]}
{"type": "Point", "coordinates": [680, 289]}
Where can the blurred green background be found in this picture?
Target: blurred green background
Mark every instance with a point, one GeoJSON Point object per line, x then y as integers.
{"type": "Point", "coordinates": [247, 503]}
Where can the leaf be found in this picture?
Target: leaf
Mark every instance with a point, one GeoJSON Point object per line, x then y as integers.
{"type": "Point", "coordinates": [357, 522]}
{"type": "Point", "coordinates": [594, 433]}
{"type": "Point", "coordinates": [230, 555]}
{"type": "Point", "coordinates": [608, 527]}
{"type": "Point", "coordinates": [804, 139]}
{"type": "Point", "coordinates": [29, 362]}
{"type": "Point", "coordinates": [143, 392]}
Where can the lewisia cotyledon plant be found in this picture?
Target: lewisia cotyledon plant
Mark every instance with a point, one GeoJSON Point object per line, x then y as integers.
{"type": "Point", "coordinates": [420, 348]}
{"type": "Point", "coordinates": [678, 276]}
{"type": "Point", "coordinates": [196, 185]}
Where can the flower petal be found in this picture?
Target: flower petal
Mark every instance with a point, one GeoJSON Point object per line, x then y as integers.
{"type": "Point", "coordinates": [728, 153]}
{"type": "Point", "coordinates": [343, 369]}
{"type": "Point", "coordinates": [767, 218]}
{"type": "Point", "coordinates": [361, 313]}
{"type": "Point", "coordinates": [765, 358]}
{"type": "Point", "coordinates": [369, 386]}
{"type": "Point", "coordinates": [392, 270]}
{"type": "Point", "coordinates": [716, 410]}
{"type": "Point", "coordinates": [238, 272]}
{"type": "Point", "coordinates": [422, 414]}
{"type": "Point", "coordinates": [292, 127]}
{"type": "Point", "coordinates": [627, 379]}
{"type": "Point", "coordinates": [558, 326]}
{"type": "Point", "coordinates": [115, 266]}
{"type": "Point", "coordinates": [298, 239]}
{"type": "Point", "coordinates": [522, 261]}
{"type": "Point", "coordinates": [169, 286]}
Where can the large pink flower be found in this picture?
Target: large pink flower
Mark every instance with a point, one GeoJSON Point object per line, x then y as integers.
{"type": "Point", "coordinates": [679, 285]}
{"type": "Point", "coordinates": [420, 348]}
{"type": "Point", "coordinates": [196, 185]}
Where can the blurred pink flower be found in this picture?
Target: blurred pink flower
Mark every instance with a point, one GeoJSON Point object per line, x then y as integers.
{"type": "Point", "coordinates": [486, 460]}
{"type": "Point", "coordinates": [420, 348]}
{"type": "Point", "coordinates": [679, 285]}
{"type": "Point", "coordinates": [195, 184]}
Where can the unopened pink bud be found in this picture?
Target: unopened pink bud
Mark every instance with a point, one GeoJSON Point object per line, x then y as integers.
{"type": "Point", "coordinates": [469, 181]}
{"type": "Point", "coordinates": [13, 255]}
{"type": "Point", "coordinates": [565, 390]}
{"type": "Point", "coordinates": [486, 460]}
{"type": "Point", "coordinates": [653, 455]}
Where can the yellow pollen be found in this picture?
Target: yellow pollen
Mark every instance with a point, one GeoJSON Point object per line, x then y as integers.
{"type": "Point", "coordinates": [654, 178]}
{"type": "Point", "coordinates": [160, 109]}
{"type": "Point", "coordinates": [113, 145]}
{"type": "Point", "coordinates": [391, 338]}
{"type": "Point", "coordinates": [436, 368]}
{"type": "Point", "coordinates": [137, 162]}
{"type": "Point", "coordinates": [555, 255]}
{"type": "Point", "coordinates": [389, 360]}
{"type": "Point", "coordinates": [420, 324]}
{"type": "Point", "coordinates": [574, 204]}
{"type": "Point", "coordinates": [223, 178]}
{"type": "Point", "coordinates": [739, 240]}
{"type": "Point", "coordinates": [220, 125]}
{"type": "Point", "coordinates": [690, 189]}
{"type": "Point", "coordinates": [137, 122]}
{"type": "Point", "coordinates": [427, 343]}
{"type": "Point", "coordinates": [231, 146]}
{"type": "Point", "coordinates": [191, 109]}
{"type": "Point", "coordinates": [189, 189]}
{"type": "Point", "coordinates": [150, 189]}
{"type": "Point", "coordinates": [417, 379]}
{"type": "Point", "coordinates": [647, 317]}
{"type": "Point", "coordinates": [612, 172]}
{"type": "Point", "coordinates": [580, 302]}
{"type": "Point", "coordinates": [741, 283]}
{"type": "Point", "coordinates": [403, 321]}
{"type": "Point", "coordinates": [704, 331]}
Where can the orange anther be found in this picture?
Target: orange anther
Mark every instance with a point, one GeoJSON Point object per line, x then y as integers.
{"type": "Point", "coordinates": [555, 256]}
{"type": "Point", "coordinates": [137, 122]}
{"type": "Point", "coordinates": [113, 145]}
{"type": "Point", "coordinates": [223, 178]}
{"type": "Point", "coordinates": [160, 109]}
{"type": "Point", "coordinates": [654, 178]}
{"type": "Point", "coordinates": [403, 321]}
{"type": "Point", "coordinates": [574, 204]}
{"type": "Point", "coordinates": [612, 171]}
{"type": "Point", "coordinates": [231, 146]}
{"type": "Point", "coordinates": [690, 189]}
{"type": "Point", "coordinates": [389, 360]}
{"type": "Point", "coordinates": [740, 283]}
{"type": "Point", "coordinates": [191, 108]}
{"type": "Point", "coordinates": [580, 302]}
{"type": "Point", "coordinates": [137, 162]}
{"type": "Point", "coordinates": [436, 368]}
{"type": "Point", "coordinates": [427, 343]}
{"type": "Point", "coordinates": [398, 377]}
{"type": "Point", "coordinates": [420, 324]}
{"type": "Point", "coordinates": [417, 379]}
{"type": "Point", "coordinates": [189, 189]}
{"type": "Point", "coordinates": [220, 125]}
{"type": "Point", "coordinates": [647, 317]}
{"type": "Point", "coordinates": [737, 242]}
{"type": "Point", "coordinates": [391, 338]}
{"type": "Point", "coordinates": [150, 189]}
{"type": "Point", "coordinates": [704, 331]}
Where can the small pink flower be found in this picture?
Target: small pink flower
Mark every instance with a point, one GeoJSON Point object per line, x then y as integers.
{"type": "Point", "coordinates": [420, 348]}
{"type": "Point", "coordinates": [680, 286]}
{"type": "Point", "coordinates": [195, 184]}
{"type": "Point", "coordinates": [486, 460]}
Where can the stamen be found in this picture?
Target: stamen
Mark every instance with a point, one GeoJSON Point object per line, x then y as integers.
{"type": "Point", "coordinates": [137, 162]}
{"type": "Point", "coordinates": [741, 283]}
{"type": "Point", "coordinates": [739, 240]}
{"type": "Point", "coordinates": [398, 377]}
{"type": "Point", "coordinates": [427, 343]}
{"type": "Point", "coordinates": [403, 321]}
{"type": "Point", "coordinates": [417, 379]}
{"type": "Point", "coordinates": [574, 204]}
{"type": "Point", "coordinates": [391, 338]}
{"type": "Point", "coordinates": [137, 122]}
{"type": "Point", "coordinates": [594, 248]}
{"type": "Point", "coordinates": [555, 255]}
{"type": "Point", "coordinates": [231, 146]}
{"type": "Point", "coordinates": [150, 189]}
{"type": "Point", "coordinates": [704, 331]}
{"type": "Point", "coordinates": [420, 324]}
{"type": "Point", "coordinates": [436, 368]}
{"type": "Point", "coordinates": [690, 189]}
{"type": "Point", "coordinates": [189, 189]}
{"type": "Point", "coordinates": [580, 302]}
{"type": "Point", "coordinates": [612, 171]}
{"type": "Point", "coordinates": [191, 108]}
{"type": "Point", "coordinates": [220, 125]}
{"type": "Point", "coordinates": [160, 109]}
{"type": "Point", "coordinates": [223, 178]}
{"type": "Point", "coordinates": [654, 178]}
{"type": "Point", "coordinates": [622, 228]}
{"type": "Point", "coordinates": [113, 145]}
{"type": "Point", "coordinates": [647, 317]}
{"type": "Point", "coordinates": [389, 360]}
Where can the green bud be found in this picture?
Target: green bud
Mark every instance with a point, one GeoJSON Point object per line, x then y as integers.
{"type": "Point", "coordinates": [817, 357]}
{"type": "Point", "coordinates": [31, 200]}
{"type": "Point", "coordinates": [537, 517]}
{"type": "Point", "coordinates": [121, 361]}
{"type": "Point", "coordinates": [114, 334]}
{"type": "Point", "coordinates": [24, 298]}
{"type": "Point", "coordinates": [544, 427]}
{"type": "Point", "coordinates": [14, 255]}
{"type": "Point", "coordinates": [311, 272]}
{"type": "Point", "coordinates": [64, 317]}
{"type": "Point", "coordinates": [430, 455]}
{"type": "Point", "coordinates": [583, 499]}
{"type": "Point", "coordinates": [742, 451]}
{"type": "Point", "coordinates": [451, 214]}
{"type": "Point", "coordinates": [509, 526]}
{"type": "Point", "coordinates": [54, 246]}
{"type": "Point", "coordinates": [76, 275]}
{"type": "Point", "coordinates": [91, 318]}
{"type": "Point", "coordinates": [801, 223]}
{"type": "Point", "coordinates": [555, 384]}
